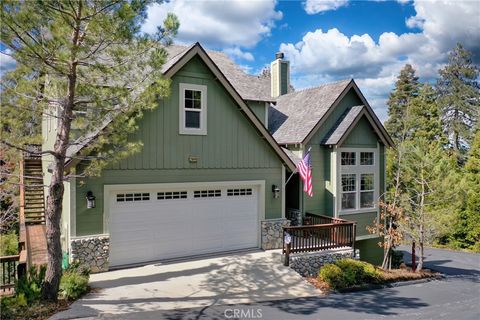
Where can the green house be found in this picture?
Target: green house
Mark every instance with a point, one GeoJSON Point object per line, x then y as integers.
{"type": "Point", "coordinates": [217, 171]}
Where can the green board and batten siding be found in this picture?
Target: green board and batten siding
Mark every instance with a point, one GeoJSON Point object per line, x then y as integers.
{"type": "Point", "coordinates": [320, 157]}
{"type": "Point", "coordinates": [232, 150]}
{"type": "Point", "coordinates": [361, 136]}
{"type": "Point", "coordinates": [258, 107]}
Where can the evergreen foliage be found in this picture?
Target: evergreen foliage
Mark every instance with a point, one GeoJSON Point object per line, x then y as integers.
{"type": "Point", "coordinates": [406, 88]}
{"type": "Point", "coordinates": [433, 173]}
{"type": "Point", "coordinates": [83, 64]}
{"type": "Point", "coordinates": [459, 98]}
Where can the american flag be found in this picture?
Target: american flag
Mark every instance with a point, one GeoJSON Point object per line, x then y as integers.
{"type": "Point", "coordinates": [304, 168]}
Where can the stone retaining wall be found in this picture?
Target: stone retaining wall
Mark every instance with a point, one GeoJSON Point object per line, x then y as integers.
{"type": "Point", "coordinates": [272, 233]}
{"type": "Point", "coordinates": [91, 252]}
{"type": "Point", "coordinates": [309, 263]}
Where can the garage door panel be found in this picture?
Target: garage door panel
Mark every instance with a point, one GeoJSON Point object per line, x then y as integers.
{"type": "Point", "coordinates": [160, 228]}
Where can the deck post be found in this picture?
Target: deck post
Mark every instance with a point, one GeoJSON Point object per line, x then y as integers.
{"type": "Point", "coordinates": [287, 255]}
{"type": "Point", "coordinates": [354, 237]}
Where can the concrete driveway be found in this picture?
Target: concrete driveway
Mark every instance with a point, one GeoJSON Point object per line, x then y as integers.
{"type": "Point", "coordinates": [240, 278]}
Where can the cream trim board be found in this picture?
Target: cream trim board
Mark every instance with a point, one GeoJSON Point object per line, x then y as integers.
{"type": "Point", "coordinates": [368, 236]}
{"type": "Point", "coordinates": [73, 208]}
{"type": "Point", "coordinates": [357, 169]}
{"type": "Point", "coordinates": [108, 189]}
{"type": "Point", "coordinates": [267, 106]}
{"type": "Point", "coordinates": [334, 178]}
{"type": "Point", "coordinates": [203, 109]}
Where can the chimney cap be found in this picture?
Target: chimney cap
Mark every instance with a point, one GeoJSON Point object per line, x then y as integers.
{"type": "Point", "coordinates": [279, 55]}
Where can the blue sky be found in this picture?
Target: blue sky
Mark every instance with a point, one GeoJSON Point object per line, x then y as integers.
{"type": "Point", "coordinates": [328, 40]}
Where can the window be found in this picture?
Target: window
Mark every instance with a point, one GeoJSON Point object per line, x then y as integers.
{"type": "Point", "coordinates": [171, 195]}
{"type": "Point", "coordinates": [239, 192]}
{"type": "Point", "coordinates": [367, 187]}
{"type": "Point", "coordinates": [366, 158]}
{"type": "Point", "coordinates": [193, 109]}
{"type": "Point", "coordinates": [207, 193]}
{"type": "Point", "coordinates": [348, 158]}
{"type": "Point", "coordinates": [358, 180]}
{"type": "Point", "coordinates": [349, 191]}
{"type": "Point", "coordinates": [130, 197]}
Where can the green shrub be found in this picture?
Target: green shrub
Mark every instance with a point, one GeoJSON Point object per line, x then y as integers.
{"type": "Point", "coordinates": [8, 244]}
{"type": "Point", "coordinates": [31, 285]}
{"type": "Point", "coordinates": [347, 273]}
{"type": "Point", "coordinates": [332, 275]}
{"type": "Point", "coordinates": [73, 285]}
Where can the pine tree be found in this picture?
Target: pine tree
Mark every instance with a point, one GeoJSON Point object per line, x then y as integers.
{"type": "Point", "coordinates": [406, 88]}
{"type": "Point", "coordinates": [459, 99]}
{"type": "Point", "coordinates": [82, 59]}
{"type": "Point", "coordinates": [466, 230]}
{"type": "Point", "coordinates": [423, 120]}
{"type": "Point", "coordinates": [425, 169]}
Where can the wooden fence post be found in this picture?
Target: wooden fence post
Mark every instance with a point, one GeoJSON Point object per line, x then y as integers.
{"type": "Point", "coordinates": [287, 255]}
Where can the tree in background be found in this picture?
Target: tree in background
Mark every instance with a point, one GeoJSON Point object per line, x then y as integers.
{"type": "Point", "coordinates": [466, 229]}
{"type": "Point", "coordinates": [459, 99]}
{"type": "Point", "coordinates": [84, 63]}
{"type": "Point", "coordinates": [423, 118]}
{"type": "Point", "coordinates": [20, 124]}
{"type": "Point", "coordinates": [425, 167]}
{"type": "Point", "coordinates": [399, 126]}
{"type": "Point", "coordinates": [406, 88]}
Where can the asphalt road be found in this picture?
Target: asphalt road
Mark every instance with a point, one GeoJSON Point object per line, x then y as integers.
{"type": "Point", "coordinates": [456, 297]}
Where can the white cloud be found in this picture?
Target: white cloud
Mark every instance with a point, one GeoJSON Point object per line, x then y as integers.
{"type": "Point", "coordinates": [446, 22]}
{"type": "Point", "coordinates": [331, 55]}
{"type": "Point", "coordinates": [317, 6]}
{"type": "Point", "coordinates": [217, 23]}
{"type": "Point", "coordinates": [7, 63]}
{"type": "Point", "coordinates": [236, 52]}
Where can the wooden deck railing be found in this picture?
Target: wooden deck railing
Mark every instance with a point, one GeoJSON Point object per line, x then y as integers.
{"type": "Point", "coordinates": [9, 265]}
{"type": "Point", "coordinates": [15, 266]}
{"type": "Point", "coordinates": [324, 233]}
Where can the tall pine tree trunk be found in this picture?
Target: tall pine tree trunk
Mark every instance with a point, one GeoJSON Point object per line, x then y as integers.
{"type": "Point", "coordinates": [56, 188]}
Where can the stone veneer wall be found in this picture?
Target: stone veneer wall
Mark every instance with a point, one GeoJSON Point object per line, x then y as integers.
{"type": "Point", "coordinates": [272, 233]}
{"type": "Point", "coordinates": [309, 263]}
{"type": "Point", "coordinates": [91, 252]}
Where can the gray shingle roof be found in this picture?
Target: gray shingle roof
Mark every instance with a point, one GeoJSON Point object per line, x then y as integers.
{"type": "Point", "coordinates": [342, 125]}
{"type": "Point", "coordinates": [297, 113]}
{"type": "Point", "coordinates": [249, 87]}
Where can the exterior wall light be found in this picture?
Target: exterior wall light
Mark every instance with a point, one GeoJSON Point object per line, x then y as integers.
{"type": "Point", "coordinates": [90, 200]}
{"type": "Point", "coordinates": [275, 191]}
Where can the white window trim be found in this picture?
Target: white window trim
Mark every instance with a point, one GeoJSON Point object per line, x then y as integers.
{"type": "Point", "coordinates": [357, 169]}
{"type": "Point", "coordinates": [203, 110]}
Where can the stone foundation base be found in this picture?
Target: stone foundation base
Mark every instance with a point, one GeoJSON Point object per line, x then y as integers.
{"type": "Point", "coordinates": [272, 233]}
{"type": "Point", "coordinates": [91, 252]}
{"type": "Point", "coordinates": [309, 263]}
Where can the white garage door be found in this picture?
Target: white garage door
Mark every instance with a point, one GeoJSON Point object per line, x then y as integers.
{"type": "Point", "coordinates": [154, 224]}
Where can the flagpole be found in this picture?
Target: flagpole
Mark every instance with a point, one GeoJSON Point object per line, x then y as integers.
{"type": "Point", "coordinates": [290, 176]}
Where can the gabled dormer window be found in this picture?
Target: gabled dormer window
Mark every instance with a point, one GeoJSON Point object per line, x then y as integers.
{"type": "Point", "coordinates": [193, 109]}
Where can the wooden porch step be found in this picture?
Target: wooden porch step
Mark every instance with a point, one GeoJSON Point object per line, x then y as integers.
{"type": "Point", "coordinates": [34, 206]}
{"type": "Point", "coordinates": [29, 210]}
{"type": "Point", "coordinates": [34, 196]}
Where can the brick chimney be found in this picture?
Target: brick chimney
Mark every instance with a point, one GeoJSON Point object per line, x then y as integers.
{"type": "Point", "coordinates": [280, 75]}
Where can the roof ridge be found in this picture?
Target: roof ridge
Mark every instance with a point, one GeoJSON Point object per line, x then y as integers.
{"type": "Point", "coordinates": [317, 87]}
